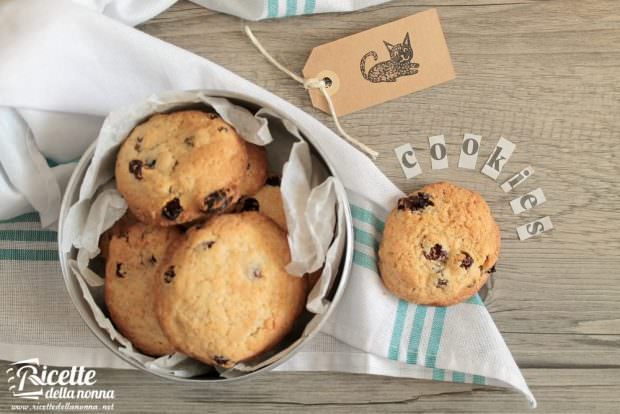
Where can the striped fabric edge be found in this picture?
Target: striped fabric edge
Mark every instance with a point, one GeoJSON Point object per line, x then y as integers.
{"type": "Point", "coordinates": [31, 235]}
{"type": "Point", "coordinates": [27, 255]}
{"type": "Point", "coordinates": [272, 8]}
{"type": "Point", "coordinates": [435, 339]}
{"type": "Point", "coordinates": [397, 330]}
{"type": "Point", "coordinates": [291, 9]}
{"type": "Point", "coordinates": [309, 6]}
{"type": "Point", "coordinates": [439, 374]}
{"type": "Point", "coordinates": [415, 336]}
{"type": "Point", "coordinates": [365, 261]}
{"type": "Point", "coordinates": [24, 218]}
{"type": "Point", "coordinates": [28, 235]}
{"type": "Point", "coordinates": [367, 216]}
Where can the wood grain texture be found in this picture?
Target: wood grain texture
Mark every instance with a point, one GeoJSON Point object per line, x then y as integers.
{"type": "Point", "coordinates": [558, 391]}
{"type": "Point", "coordinates": [543, 74]}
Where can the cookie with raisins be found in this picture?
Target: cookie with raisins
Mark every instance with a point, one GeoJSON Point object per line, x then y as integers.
{"type": "Point", "coordinates": [439, 246]}
{"type": "Point", "coordinates": [134, 257]}
{"type": "Point", "coordinates": [179, 167]}
{"type": "Point", "coordinates": [224, 294]}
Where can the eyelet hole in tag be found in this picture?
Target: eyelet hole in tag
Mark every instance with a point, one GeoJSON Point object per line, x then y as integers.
{"type": "Point", "coordinates": [332, 81]}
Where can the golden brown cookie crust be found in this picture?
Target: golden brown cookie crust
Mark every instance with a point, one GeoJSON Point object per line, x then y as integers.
{"type": "Point", "coordinates": [439, 245]}
{"type": "Point", "coordinates": [131, 269]}
{"type": "Point", "coordinates": [224, 294]}
{"type": "Point", "coordinates": [269, 200]}
{"type": "Point", "coordinates": [256, 173]}
{"type": "Point", "coordinates": [179, 167]}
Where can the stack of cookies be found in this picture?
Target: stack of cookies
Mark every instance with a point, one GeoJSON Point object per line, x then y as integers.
{"type": "Point", "coordinates": [198, 264]}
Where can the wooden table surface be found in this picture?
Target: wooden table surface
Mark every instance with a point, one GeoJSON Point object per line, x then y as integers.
{"type": "Point", "coordinates": [544, 74]}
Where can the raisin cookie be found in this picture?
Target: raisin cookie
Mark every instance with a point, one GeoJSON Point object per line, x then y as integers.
{"type": "Point", "coordinates": [439, 246]}
{"type": "Point", "coordinates": [268, 200]}
{"type": "Point", "coordinates": [224, 295]}
{"type": "Point", "coordinates": [256, 172]}
{"type": "Point", "coordinates": [178, 167]}
{"type": "Point", "coordinates": [131, 269]}
{"type": "Point", "coordinates": [119, 228]}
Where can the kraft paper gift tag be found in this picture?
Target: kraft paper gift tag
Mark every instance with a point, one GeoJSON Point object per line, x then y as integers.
{"type": "Point", "coordinates": [380, 64]}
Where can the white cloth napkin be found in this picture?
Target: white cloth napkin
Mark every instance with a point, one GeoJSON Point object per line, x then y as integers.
{"type": "Point", "coordinates": [64, 67]}
{"type": "Point", "coordinates": [136, 11]}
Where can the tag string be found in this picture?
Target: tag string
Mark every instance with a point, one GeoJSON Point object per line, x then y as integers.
{"type": "Point", "coordinates": [313, 83]}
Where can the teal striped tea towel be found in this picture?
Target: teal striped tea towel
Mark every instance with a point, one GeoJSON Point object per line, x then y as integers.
{"type": "Point", "coordinates": [268, 9]}
{"type": "Point", "coordinates": [133, 12]}
{"type": "Point", "coordinates": [458, 343]}
{"type": "Point", "coordinates": [371, 331]}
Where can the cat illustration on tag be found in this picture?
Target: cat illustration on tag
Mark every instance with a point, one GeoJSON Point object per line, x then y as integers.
{"type": "Point", "coordinates": [398, 65]}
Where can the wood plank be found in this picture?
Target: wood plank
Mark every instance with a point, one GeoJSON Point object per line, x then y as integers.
{"type": "Point", "coordinates": [557, 390]}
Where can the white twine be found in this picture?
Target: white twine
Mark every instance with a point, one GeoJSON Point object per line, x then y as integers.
{"type": "Point", "coordinates": [313, 83]}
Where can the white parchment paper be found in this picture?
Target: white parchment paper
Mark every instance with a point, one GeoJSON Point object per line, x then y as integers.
{"type": "Point", "coordinates": [315, 219]}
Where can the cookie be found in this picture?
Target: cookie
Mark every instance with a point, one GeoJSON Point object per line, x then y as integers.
{"type": "Point", "coordinates": [179, 167]}
{"type": "Point", "coordinates": [256, 172]}
{"type": "Point", "coordinates": [439, 246]}
{"type": "Point", "coordinates": [119, 228]}
{"type": "Point", "coordinates": [224, 295]}
{"type": "Point", "coordinates": [268, 201]}
{"type": "Point", "coordinates": [131, 269]}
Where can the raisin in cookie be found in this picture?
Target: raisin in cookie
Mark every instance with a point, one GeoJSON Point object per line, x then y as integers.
{"type": "Point", "coordinates": [131, 269]}
{"type": "Point", "coordinates": [268, 200]}
{"type": "Point", "coordinates": [224, 295]}
{"type": "Point", "coordinates": [256, 172]}
{"type": "Point", "coordinates": [179, 167]}
{"type": "Point", "coordinates": [439, 245]}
